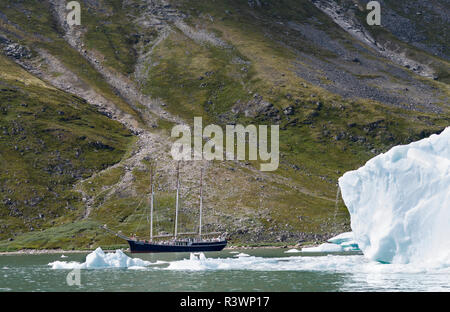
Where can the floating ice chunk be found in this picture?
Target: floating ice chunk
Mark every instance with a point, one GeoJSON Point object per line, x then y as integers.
{"type": "Point", "coordinates": [326, 247]}
{"type": "Point", "coordinates": [63, 265]}
{"type": "Point", "coordinates": [197, 256]}
{"type": "Point", "coordinates": [239, 255]}
{"type": "Point", "coordinates": [399, 203]}
{"type": "Point", "coordinates": [339, 243]}
{"type": "Point", "coordinates": [373, 273]}
{"type": "Point", "coordinates": [294, 263]}
{"type": "Point", "coordinates": [341, 238]}
{"type": "Point", "coordinates": [292, 251]}
{"type": "Point", "coordinates": [98, 259]}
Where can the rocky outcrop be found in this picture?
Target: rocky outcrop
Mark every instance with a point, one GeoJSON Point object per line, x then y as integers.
{"type": "Point", "coordinates": [347, 21]}
{"type": "Point", "coordinates": [17, 51]}
{"type": "Point", "coordinates": [257, 106]}
{"type": "Point", "coordinates": [124, 86]}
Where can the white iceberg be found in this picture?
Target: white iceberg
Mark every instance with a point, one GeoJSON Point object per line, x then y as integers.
{"type": "Point", "coordinates": [399, 203]}
{"type": "Point", "coordinates": [99, 260]}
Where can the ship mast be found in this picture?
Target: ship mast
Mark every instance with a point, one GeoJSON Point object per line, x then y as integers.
{"type": "Point", "coordinates": [201, 204]}
{"type": "Point", "coordinates": [177, 200]}
{"type": "Point", "coordinates": [151, 202]}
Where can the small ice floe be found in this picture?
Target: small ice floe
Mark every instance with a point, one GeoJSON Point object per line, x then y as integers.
{"type": "Point", "coordinates": [292, 251]}
{"type": "Point", "coordinates": [341, 238]}
{"type": "Point", "coordinates": [197, 256]}
{"type": "Point", "coordinates": [340, 243]}
{"type": "Point", "coordinates": [356, 264]}
{"type": "Point", "coordinates": [326, 247]}
{"type": "Point", "coordinates": [293, 263]}
{"type": "Point", "coordinates": [100, 260]}
{"type": "Point", "coordinates": [239, 255]}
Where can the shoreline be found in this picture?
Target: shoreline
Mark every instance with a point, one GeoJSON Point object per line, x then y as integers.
{"type": "Point", "coordinates": [62, 251]}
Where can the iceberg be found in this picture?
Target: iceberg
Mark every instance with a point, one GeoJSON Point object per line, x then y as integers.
{"type": "Point", "coordinates": [399, 203]}
{"type": "Point", "coordinates": [98, 259]}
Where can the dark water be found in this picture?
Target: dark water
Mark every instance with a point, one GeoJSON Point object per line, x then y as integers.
{"type": "Point", "coordinates": [262, 270]}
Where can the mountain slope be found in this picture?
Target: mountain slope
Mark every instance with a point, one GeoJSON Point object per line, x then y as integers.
{"type": "Point", "coordinates": [49, 140]}
{"type": "Point", "coordinates": [339, 100]}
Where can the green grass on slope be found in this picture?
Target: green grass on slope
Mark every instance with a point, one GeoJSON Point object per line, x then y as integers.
{"type": "Point", "coordinates": [32, 23]}
{"type": "Point", "coordinates": [111, 31]}
{"type": "Point", "coordinates": [70, 236]}
{"type": "Point", "coordinates": [430, 32]}
{"type": "Point", "coordinates": [49, 139]}
{"type": "Point", "coordinates": [197, 79]}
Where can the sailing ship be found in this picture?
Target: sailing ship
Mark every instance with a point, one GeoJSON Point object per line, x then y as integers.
{"type": "Point", "coordinates": [201, 242]}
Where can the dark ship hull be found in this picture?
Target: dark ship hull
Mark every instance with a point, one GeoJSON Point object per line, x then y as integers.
{"type": "Point", "coordinates": [146, 247]}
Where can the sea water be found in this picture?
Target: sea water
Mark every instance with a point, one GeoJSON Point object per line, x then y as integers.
{"type": "Point", "coordinates": [229, 270]}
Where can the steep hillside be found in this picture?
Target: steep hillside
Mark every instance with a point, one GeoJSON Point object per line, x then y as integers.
{"type": "Point", "coordinates": [339, 97]}
{"type": "Point", "coordinates": [413, 34]}
{"type": "Point", "coordinates": [49, 140]}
